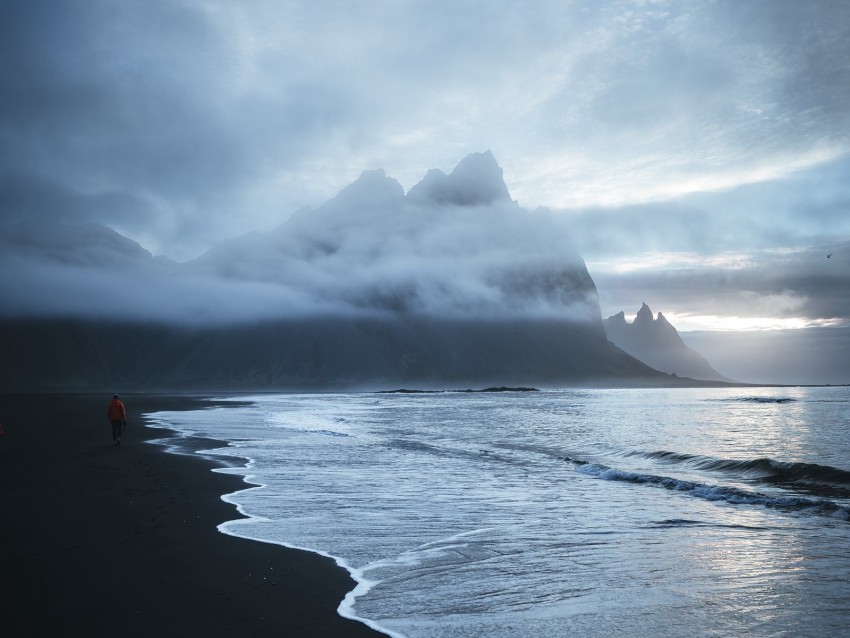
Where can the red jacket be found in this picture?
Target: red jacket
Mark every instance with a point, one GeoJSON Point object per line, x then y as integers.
{"type": "Point", "coordinates": [116, 411]}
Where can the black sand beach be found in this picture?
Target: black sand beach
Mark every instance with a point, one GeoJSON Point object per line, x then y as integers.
{"type": "Point", "coordinates": [100, 540]}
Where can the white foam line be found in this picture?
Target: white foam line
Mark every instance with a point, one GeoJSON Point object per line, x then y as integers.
{"type": "Point", "coordinates": [362, 584]}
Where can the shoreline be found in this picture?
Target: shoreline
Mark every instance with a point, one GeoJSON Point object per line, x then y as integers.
{"type": "Point", "coordinates": [106, 539]}
{"type": "Point", "coordinates": [176, 442]}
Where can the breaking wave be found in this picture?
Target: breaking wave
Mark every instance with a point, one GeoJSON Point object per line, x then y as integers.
{"type": "Point", "coordinates": [754, 400]}
{"type": "Point", "coordinates": [762, 469]}
{"type": "Point", "coordinates": [728, 494]}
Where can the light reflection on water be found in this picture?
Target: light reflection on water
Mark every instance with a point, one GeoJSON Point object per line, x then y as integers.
{"type": "Point", "coordinates": [466, 513]}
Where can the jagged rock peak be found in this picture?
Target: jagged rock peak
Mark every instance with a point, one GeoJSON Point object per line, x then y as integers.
{"type": "Point", "coordinates": [476, 180]}
{"type": "Point", "coordinates": [372, 185]}
{"type": "Point", "coordinates": [644, 315]}
{"type": "Point", "coordinates": [657, 343]}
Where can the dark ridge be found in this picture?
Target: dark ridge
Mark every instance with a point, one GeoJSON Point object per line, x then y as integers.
{"type": "Point", "coordinates": [313, 354]}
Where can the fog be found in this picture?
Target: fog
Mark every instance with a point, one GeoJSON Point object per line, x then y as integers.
{"type": "Point", "coordinates": [454, 246]}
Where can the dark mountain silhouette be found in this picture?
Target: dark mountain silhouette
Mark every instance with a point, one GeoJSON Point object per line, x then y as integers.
{"type": "Point", "coordinates": [449, 285]}
{"type": "Point", "coordinates": [316, 354]}
{"type": "Point", "coordinates": [657, 343]}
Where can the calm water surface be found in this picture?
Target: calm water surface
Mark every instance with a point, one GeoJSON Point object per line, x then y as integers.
{"type": "Point", "coordinates": [680, 512]}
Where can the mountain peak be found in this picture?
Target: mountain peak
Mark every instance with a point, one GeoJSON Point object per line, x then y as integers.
{"type": "Point", "coordinates": [370, 188]}
{"type": "Point", "coordinates": [477, 180]}
{"type": "Point", "coordinates": [644, 316]}
{"type": "Point", "coordinates": [619, 319]}
{"type": "Point", "coordinates": [657, 343]}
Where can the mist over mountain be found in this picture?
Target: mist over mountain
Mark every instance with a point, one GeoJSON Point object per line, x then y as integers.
{"type": "Point", "coordinates": [658, 344]}
{"type": "Point", "coordinates": [455, 245]}
{"type": "Point", "coordinates": [448, 284]}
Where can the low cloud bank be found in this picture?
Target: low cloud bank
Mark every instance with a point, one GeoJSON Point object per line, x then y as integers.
{"type": "Point", "coordinates": [455, 245]}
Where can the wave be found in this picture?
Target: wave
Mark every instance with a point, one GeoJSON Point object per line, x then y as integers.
{"type": "Point", "coordinates": [319, 431]}
{"type": "Point", "coordinates": [732, 495]}
{"type": "Point", "coordinates": [811, 477]}
{"type": "Point", "coordinates": [753, 399]}
{"type": "Point", "coordinates": [685, 522]}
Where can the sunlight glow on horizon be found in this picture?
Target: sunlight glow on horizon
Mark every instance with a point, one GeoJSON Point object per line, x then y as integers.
{"type": "Point", "coordinates": [713, 323]}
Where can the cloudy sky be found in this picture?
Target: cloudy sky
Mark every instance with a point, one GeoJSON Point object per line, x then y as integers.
{"type": "Point", "coordinates": [698, 151]}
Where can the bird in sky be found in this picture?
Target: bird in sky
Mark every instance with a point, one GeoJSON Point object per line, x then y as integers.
{"type": "Point", "coordinates": [829, 255]}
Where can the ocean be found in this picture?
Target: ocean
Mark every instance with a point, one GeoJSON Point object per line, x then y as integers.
{"type": "Point", "coordinates": [623, 512]}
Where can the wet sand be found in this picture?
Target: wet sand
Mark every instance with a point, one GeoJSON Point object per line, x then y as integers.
{"type": "Point", "coordinates": [98, 539]}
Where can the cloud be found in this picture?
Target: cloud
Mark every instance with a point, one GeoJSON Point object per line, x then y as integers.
{"type": "Point", "coordinates": [726, 253]}
{"type": "Point", "coordinates": [109, 101]}
{"type": "Point", "coordinates": [32, 197]}
{"type": "Point", "coordinates": [141, 295]}
{"type": "Point", "coordinates": [801, 285]}
{"type": "Point", "coordinates": [455, 246]}
{"type": "Point", "coordinates": [664, 105]}
{"type": "Point", "coordinates": [212, 117]}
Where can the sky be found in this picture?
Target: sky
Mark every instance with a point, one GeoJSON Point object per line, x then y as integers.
{"type": "Point", "coordinates": [697, 152]}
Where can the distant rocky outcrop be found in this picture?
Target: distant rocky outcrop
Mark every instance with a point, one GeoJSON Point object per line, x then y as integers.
{"type": "Point", "coordinates": [657, 343]}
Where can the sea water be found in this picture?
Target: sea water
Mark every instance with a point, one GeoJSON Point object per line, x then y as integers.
{"type": "Point", "coordinates": [659, 512]}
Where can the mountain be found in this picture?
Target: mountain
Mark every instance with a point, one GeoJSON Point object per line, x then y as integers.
{"type": "Point", "coordinates": [84, 245]}
{"type": "Point", "coordinates": [657, 343]}
{"type": "Point", "coordinates": [451, 284]}
{"type": "Point", "coordinates": [331, 353]}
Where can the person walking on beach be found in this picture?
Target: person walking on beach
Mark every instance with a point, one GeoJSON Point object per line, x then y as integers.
{"type": "Point", "coordinates": [118, 417]}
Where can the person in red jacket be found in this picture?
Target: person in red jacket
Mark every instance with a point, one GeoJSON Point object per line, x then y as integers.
{"type": "Point", "coordinates": [118, 417]}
